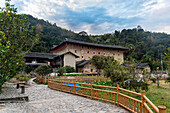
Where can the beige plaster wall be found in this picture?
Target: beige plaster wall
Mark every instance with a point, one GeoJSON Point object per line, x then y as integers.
{"type": "Point", "coordinates": [87, 53]}
{"type": "Point", "coordinates": [70, 60]}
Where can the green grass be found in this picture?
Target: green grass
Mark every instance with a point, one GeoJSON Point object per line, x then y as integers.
{"type": "Point", "coordinates": [159, 96]}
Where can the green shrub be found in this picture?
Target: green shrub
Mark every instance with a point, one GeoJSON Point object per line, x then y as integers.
{"type": "Point", "coordinates": [66, 69]}
{"type": "Point", "coordinates": [28, 69]}
{"type": "Point", "coordinates": [104, 83]}
{"type": "Point", "coordinates": [23, 78]}
{"type": "Point", "coordinates": [153, 80]}
{"type": "Point", "coordinates": [69, 69]}
{"type": "Point", "coordinates": [167, 80]}
{"type": "Point", "coordinates": [44, 70]}
{"type": "Point", "coordinates": [61, 70]}
{"type": "Point", "coordinates": [75, 74]}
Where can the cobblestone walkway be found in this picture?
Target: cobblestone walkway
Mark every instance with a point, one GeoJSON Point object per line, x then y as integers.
{"type": "Point", "coordinates": [44, 100]}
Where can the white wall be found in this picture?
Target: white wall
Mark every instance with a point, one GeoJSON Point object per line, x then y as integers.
{"type": "Point", "coordinates": [70, 60]}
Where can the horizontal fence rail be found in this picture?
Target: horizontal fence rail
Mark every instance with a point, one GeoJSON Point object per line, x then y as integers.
{"type": "Point", "coordinates": [44, 79]}
{"type": "Point", "coordinates": [115, 95]}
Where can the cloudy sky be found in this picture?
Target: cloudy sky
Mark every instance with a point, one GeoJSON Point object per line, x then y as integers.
{"type": "Point", "coordinates": [99, 16]}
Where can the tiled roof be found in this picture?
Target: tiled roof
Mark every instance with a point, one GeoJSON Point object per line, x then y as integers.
{"type": "Point", "coordinates": [138, 65]}
{"type": "Point", "coordinates": [82, 63]}
{"type": "Point", "coordinates": [70, 53]}
{"type": "Point", "coordinates": [46, 55]}
{"type": "Point", "coordinates": [141, 65]}
{"type": "Point", "coordinates": [40, 55]}
{"type": "Point", "coordinates": [91, 44]}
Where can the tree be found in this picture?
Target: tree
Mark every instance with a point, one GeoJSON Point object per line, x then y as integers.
{"type": "Point", "coordinates": [28, 69]}
{"type": "Point", "coordinates": [98, 62]}
{"type": "Point", "coordinates": [16, 38]}
{"type": "Point", "coordinates": [115, 71]}
{"type": "Point", "coordinates": [44, 70]}
{"type": "Point", "coordinates": [66, 69]}
{"type": "Point", "coordinates": [61, 70]}
{"type": "Point", "coordinates": [124, 75]}
{"type": "Point", "coordinates": [167, 59]}
{"type": "Point", "coordinates": [69, 69]}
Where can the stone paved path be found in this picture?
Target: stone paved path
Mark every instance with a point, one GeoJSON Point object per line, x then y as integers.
{"type": "Point", "coordinates": [44, 100]}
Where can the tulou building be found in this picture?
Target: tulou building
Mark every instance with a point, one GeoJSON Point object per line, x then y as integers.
{"type": "Point", "coordinates": [76, 54]}
{"type": "Point", "coordinates": [86, 51]}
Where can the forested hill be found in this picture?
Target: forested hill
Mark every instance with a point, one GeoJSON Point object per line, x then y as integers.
{"type": "Point", "coordinates": [143, 45]}
{"type": "Point", "coordinates": [51, 34]}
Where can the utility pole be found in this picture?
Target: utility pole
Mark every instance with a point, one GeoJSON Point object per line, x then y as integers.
{"type": "Point", "coordinates": [161, 65]}
{"type": "Point", "coordinates": [157, 76]}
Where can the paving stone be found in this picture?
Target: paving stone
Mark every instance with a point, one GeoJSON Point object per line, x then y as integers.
{"type": "Point", "coordinates": [45, 100]}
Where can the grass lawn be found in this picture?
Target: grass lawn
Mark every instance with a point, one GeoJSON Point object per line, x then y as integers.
{"type": "Point", "coordinates": [159, 96]}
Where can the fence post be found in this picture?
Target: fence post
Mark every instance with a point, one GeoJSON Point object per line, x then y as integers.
{"type": "Point", "coordinates": [45, 78]}
{"type": "Point", "coordinates": [143, 100]}
{"type": "Point", "coordinates": [91, 90]}
{"type": "Point", "coordinates": [118, 94]}
{"type": "Point", "coordinates": [65, 77]}
{"type": "Point", "coordinates": [74, 88]}
{"type": "Point", "coordinates": [48, 81]}
{"type": "Point", "coordinates": [37, 78]}
{"type": "Point", "coordinates": [61, 85]}
{"type": "Point", "coordinates": [162, 109]}
{"type": "Point", "coordinates": [52, 79]}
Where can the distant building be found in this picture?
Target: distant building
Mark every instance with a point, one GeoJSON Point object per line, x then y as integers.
{"type": "Point", "coordinates": [143, 67]}
{"type": "Point", "coordinates": [85, 66]}
{"type": "Point", "coordinates": [76, 54]}
{"type": "Point", "coordinates": [55, 60]}
{"type": "Point", "coordinates": [86, 50]}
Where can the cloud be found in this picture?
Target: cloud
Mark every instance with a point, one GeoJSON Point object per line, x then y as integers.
{"type": "Point", "coordinates": [100, 16]}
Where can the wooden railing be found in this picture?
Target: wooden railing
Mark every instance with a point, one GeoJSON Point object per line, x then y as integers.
{"type": "Point", "coordinates": [44, 79]}
{"type": "Point", "coordinates": [108, 94]}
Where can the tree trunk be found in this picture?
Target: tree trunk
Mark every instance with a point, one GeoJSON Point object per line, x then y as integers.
{"type": "Point", "coordinates": [157, 82]}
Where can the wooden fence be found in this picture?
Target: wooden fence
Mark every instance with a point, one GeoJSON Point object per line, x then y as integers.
{"type": "Point", "coordinates": [44, 79]}
{"type": "Point", "coordinates": [109, 94]}
{"type": "Point", "coordinates": [105, 93]}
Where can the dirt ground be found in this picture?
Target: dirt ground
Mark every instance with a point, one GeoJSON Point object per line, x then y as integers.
{"type": "Point", "coordinates": [161, 83]}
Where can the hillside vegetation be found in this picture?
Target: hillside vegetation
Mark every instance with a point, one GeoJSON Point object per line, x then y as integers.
{"type": "Point", "coordinates": [144, 46]}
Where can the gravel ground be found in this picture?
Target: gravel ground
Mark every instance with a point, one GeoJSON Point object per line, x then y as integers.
{"type": "Point", "coordinates": [45, 100]}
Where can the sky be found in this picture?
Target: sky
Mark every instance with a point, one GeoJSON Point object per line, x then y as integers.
{"type": "Point", "coordinates": [99, 16]}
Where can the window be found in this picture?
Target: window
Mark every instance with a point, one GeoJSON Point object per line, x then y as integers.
{"type": "Point", "coordinates": [87, 51]}
{"type": "Point", "coordinates": [75, 51]}
{"type": "Point", "coordinates": [99, 53]}
{"type": "Point", "coordinates": [93, 52]}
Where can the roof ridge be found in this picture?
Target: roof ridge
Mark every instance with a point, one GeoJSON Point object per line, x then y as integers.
{"type": "Point", "coordinates": [93, 44]}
